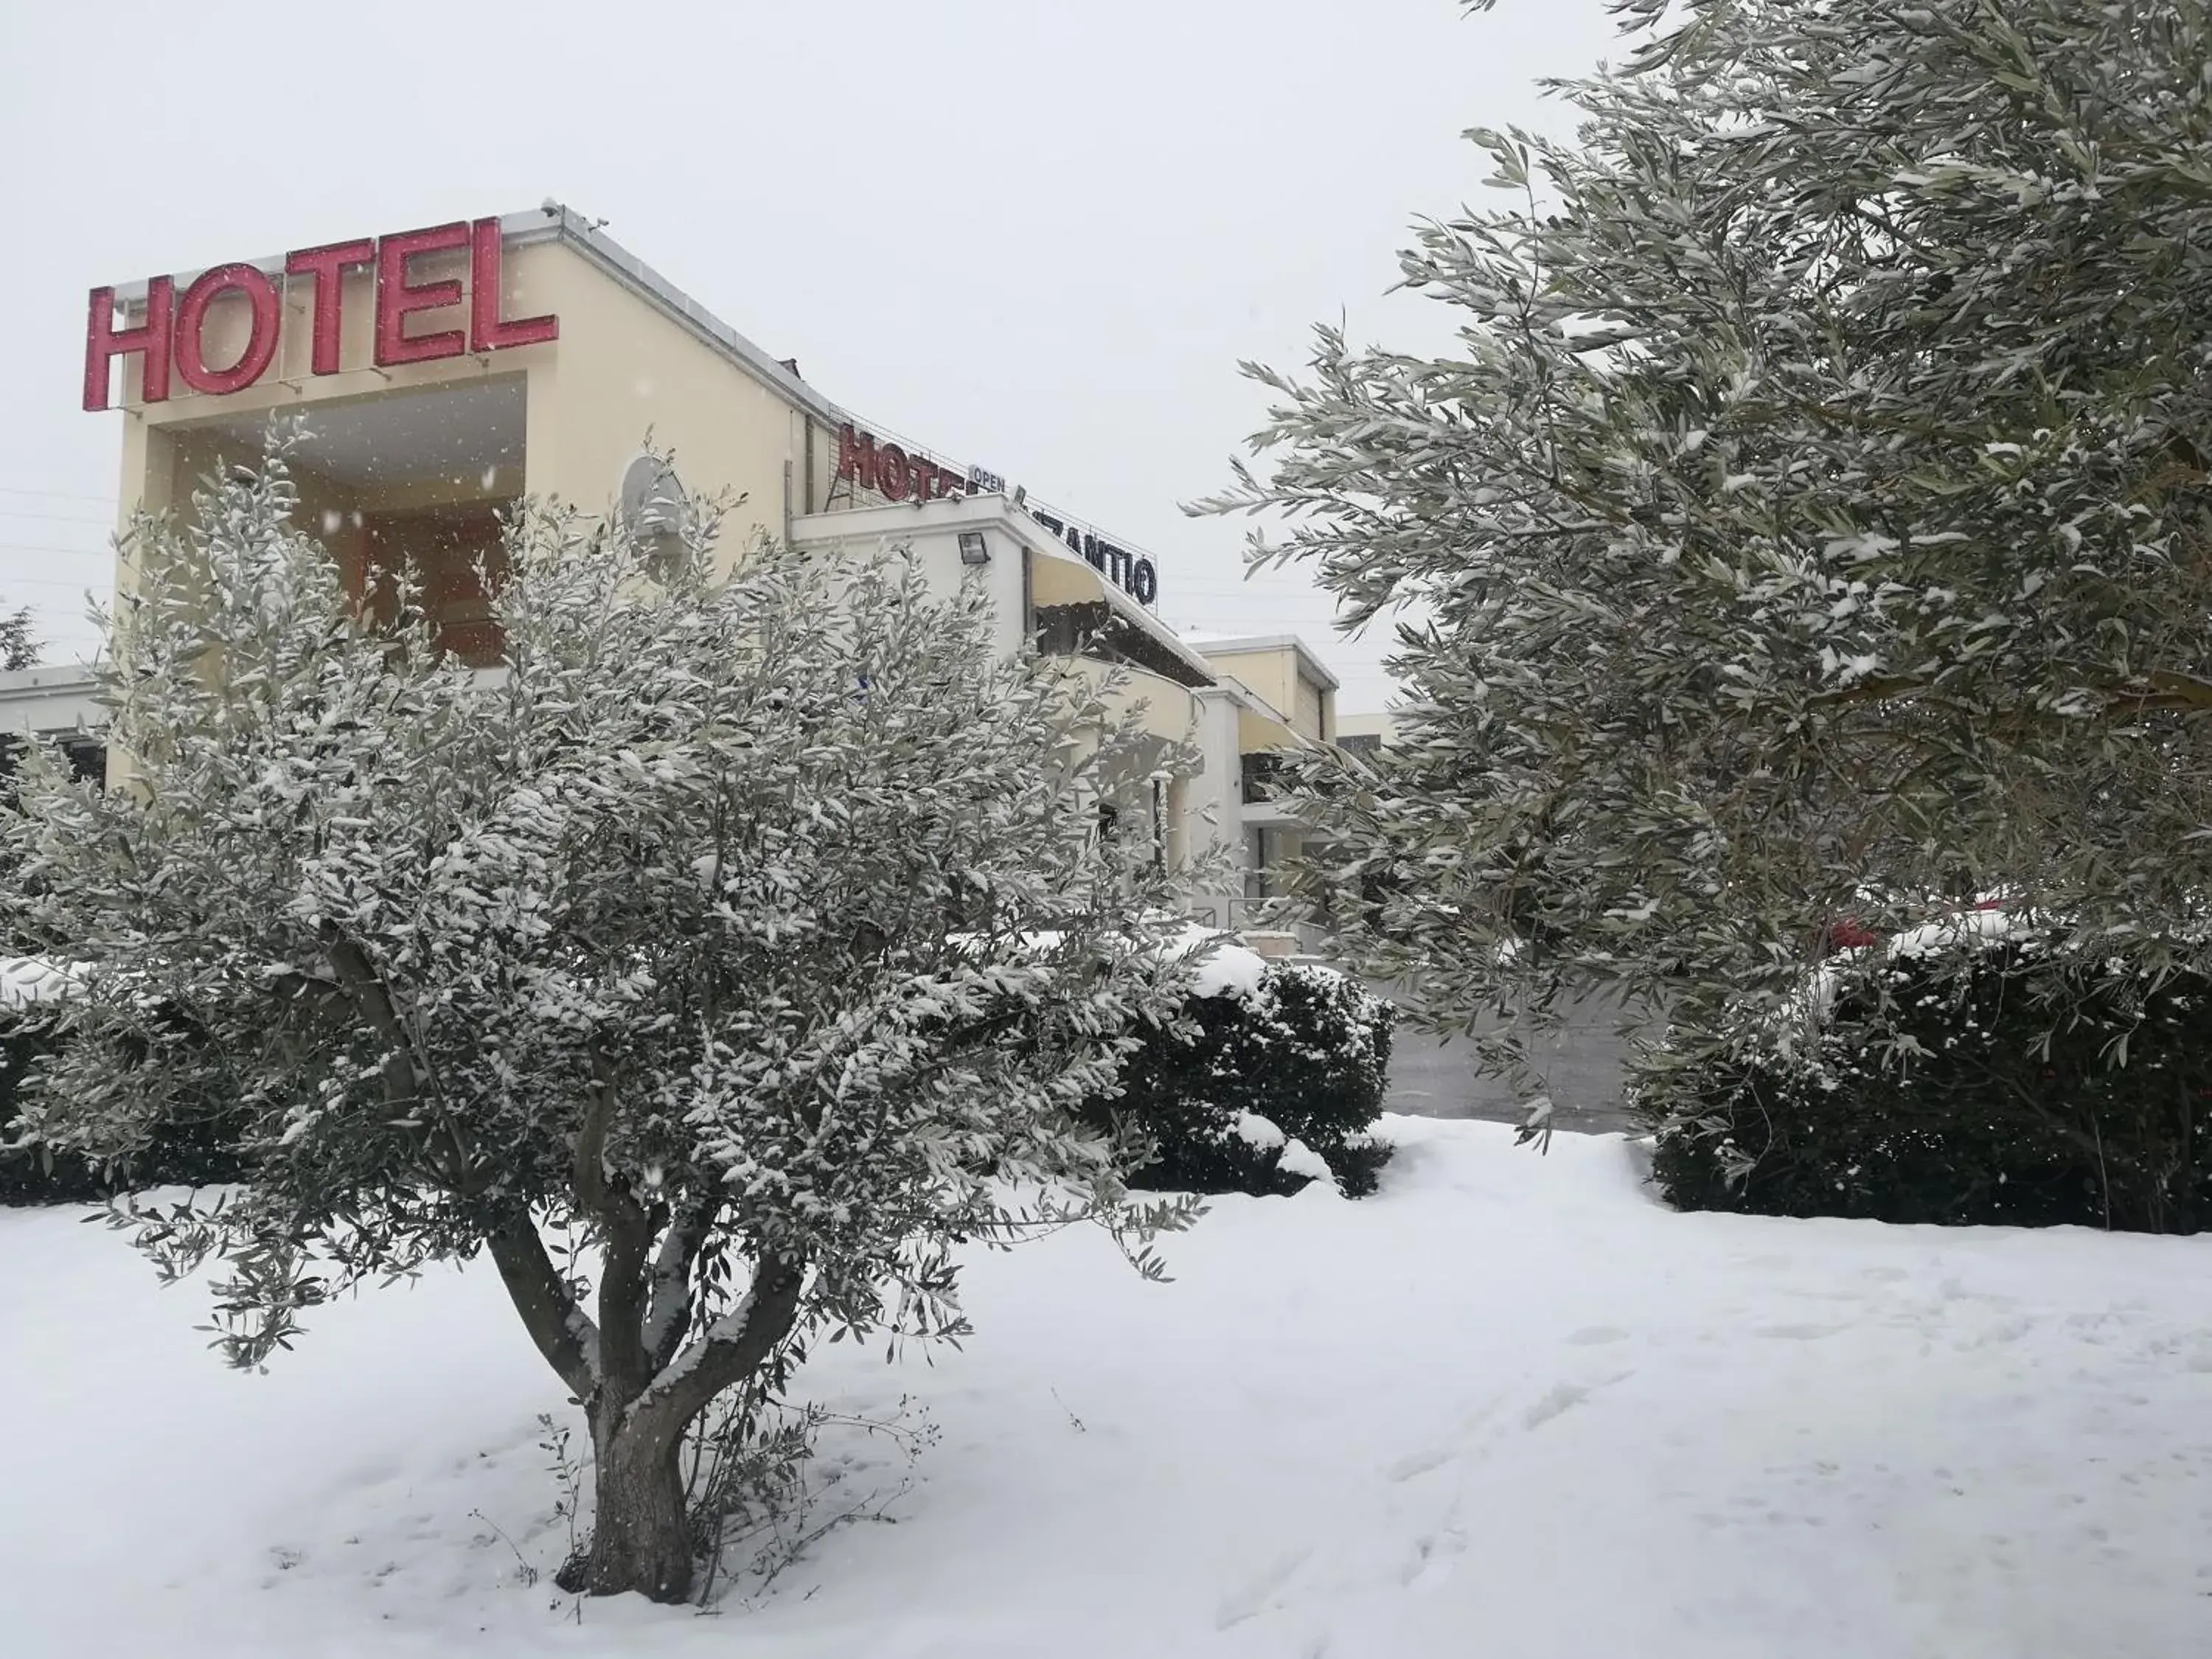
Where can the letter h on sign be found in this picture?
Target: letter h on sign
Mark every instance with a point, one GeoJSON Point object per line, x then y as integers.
{"type": "Point", "coordinates": [104, 343]}
{"type": "Point", "coordinates": [171, 335]}
{"type": "Point", "coordinates": [856, 457]}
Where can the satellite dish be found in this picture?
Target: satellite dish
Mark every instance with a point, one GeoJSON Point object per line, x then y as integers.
{"type": "Point", "coordinates": [651, 504]}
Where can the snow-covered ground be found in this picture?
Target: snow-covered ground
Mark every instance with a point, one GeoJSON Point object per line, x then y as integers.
{"type": "Point", "coordinates": [1511, 1406]}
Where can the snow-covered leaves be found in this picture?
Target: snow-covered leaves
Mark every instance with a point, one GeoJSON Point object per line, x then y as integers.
{"type": "Point", "coordinates": [713, 917]}
{"type": "Point", "coordinates": [1817, 495]}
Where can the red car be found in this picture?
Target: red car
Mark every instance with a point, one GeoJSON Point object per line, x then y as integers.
{"type": "Point", "coordinates": [1850, 933]}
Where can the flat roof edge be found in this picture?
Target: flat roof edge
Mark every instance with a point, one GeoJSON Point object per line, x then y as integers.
{"type": "Point", "coordinates": [559, 223]}
{"type": "Point", "coordinates": [888, 521]}
{"type": "Point", "coordinates": [1229, 647]}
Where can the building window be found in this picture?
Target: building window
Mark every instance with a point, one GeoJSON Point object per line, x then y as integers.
{"type": "Point", "coordinates": [1264, 852]}
{"type": "Point", "coordinates": [1256, 776]}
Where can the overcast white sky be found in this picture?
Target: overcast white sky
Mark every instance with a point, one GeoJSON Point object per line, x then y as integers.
{"type": "Point", "coordinates": [1029, 233]}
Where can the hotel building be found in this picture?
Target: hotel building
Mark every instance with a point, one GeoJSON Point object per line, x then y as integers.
{"type": "Point", "coordinates": [442, 374]}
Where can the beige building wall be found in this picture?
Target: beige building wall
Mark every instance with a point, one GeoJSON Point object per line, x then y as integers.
{"type": "Point", "coordinates": [1270, 672]}
{"type": "Point", "coordinates": [1282, 673]}
{"type": "Point", "coordinates": [1383, 724]}
{"type": "Point", "coordinates": [623, 371]}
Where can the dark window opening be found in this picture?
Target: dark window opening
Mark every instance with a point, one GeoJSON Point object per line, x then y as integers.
{"type": "Point", "coordinates": [1259, 776]}
{"type": "Point", "coordinates": [456, 557]}
{"type": "Point", "coordinates": [1093, 629]}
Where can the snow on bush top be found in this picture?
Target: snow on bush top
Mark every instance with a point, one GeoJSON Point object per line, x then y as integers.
{"type": "Point", "coordinates": [27, 980]}
{"type": "Point", "coordinates": [1225, 968]}
{"type": "Point", "coordinates": [1228, 969]}
{"type": "Point", "coordinates": [1785, 1027]}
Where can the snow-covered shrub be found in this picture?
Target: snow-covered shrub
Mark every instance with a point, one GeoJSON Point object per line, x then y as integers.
{"type": "Point", "coordinates": [741, 946]}
{"type": "Point", "coordinates": [27, 1176]}
{"type": "Point", "coordinates": [2016, 1076]}
{"type": "Point", "coordinates": [196, 1139]}
{"type": "Point", "coordinates": [1264, 1081]}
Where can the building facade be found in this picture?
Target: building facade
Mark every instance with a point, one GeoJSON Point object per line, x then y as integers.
{"type": "Point", "coordinates": [441, 374]}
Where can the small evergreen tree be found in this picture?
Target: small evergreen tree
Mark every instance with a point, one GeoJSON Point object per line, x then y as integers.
{"type": "Point", "coordinates": [1812, 522]}
{"type": "Point", "coordinates": [19, 644]}
{"type": "Point", "coordinates": [714, 968]}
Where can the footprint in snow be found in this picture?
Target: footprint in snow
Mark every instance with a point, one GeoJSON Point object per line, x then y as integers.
{"type": "Point", "coordinates": [1565, 1397]}
{"type": "Point", "coordinates": [1420, 1463]}
{"type": "Point", "coordinates": [1254, 1598]}
{"type": "Point", "coordinates": [1433, 1560]}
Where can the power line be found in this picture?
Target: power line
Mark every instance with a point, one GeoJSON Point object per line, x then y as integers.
{"type": "Point", "coordinates": [59, 517]}
{"type": "Point", "coordinates": [59, 495]}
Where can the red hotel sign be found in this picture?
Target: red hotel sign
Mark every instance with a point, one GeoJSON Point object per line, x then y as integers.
{"type": "Point", "coordinates": [898, 476]}
{"type": "Point", "coordinates": [891, 472]}
{"type": "Point", "coordinates": [170, 335]}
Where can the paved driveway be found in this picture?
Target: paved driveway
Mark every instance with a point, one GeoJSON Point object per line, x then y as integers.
{"type": "Point", "coordinates": [1431, 1077]}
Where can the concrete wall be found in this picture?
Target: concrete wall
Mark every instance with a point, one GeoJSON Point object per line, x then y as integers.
{"type": "Point", "coordinates": [1580, 1065]}
{"type": "Point", "coordinates": [621, 370]}
{"type": "Point", "coordinates": [1215, 816]}
{"type": "Point", "coordinates": [931, 537]}
{"type": "Point", "coordinates": [1274, 672]}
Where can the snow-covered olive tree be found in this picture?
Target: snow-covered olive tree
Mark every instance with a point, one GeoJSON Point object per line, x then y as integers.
{"type": "Point", "coordinates": [715, 966]}
{"type": "Point", "coordinates": [1811, 518]}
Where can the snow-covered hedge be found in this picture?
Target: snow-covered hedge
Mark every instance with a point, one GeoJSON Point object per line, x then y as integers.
{"type": "Point", "coordinates": [1272, 1077]}
{"type": "Point", "coordinates": [197, 1144]}
{"type": "Point", "coordinates": [1993, 1070]}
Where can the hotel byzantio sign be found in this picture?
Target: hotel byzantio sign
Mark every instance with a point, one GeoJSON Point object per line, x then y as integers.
{"type": "Point", "coordinates": [897, 476]}
{"type": "Point", "coordinates": [168, 343]}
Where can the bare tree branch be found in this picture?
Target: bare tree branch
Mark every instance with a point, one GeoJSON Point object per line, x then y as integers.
{"type": "Point", "coordinates": [565, 1334]}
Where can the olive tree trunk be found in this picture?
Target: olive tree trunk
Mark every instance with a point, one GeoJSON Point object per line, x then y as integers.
{"type": "Point", "coordinates": [640, 1538]}
{"type": "Point", "coordinates": [642, 1395]}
